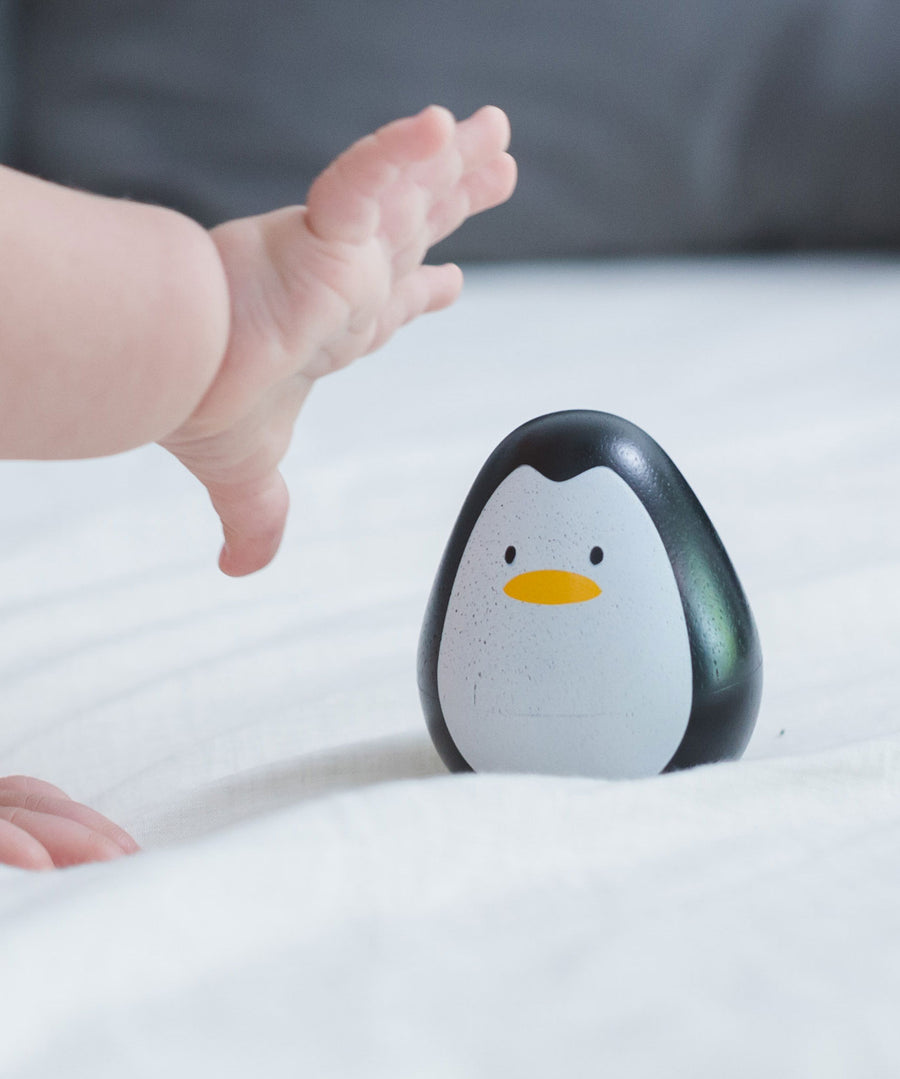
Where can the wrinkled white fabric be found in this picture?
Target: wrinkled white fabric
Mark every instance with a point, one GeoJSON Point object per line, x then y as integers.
{"type": "Point", "coordinates": [317, 896]}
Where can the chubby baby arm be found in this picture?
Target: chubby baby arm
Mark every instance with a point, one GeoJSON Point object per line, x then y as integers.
{"type": "Point", "coordinates": [115, 320]}
{"type": "Point", "coordinates": [126, 323]}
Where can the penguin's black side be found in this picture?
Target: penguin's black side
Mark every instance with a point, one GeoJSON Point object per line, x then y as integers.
{"type": "Point", "coordinates": [725, 651]}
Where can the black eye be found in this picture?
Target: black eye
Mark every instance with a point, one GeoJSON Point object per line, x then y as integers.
{"type": "Point", "coordinates": [596, 555]}
{"type": "Point", "coordinates": [510, 554]}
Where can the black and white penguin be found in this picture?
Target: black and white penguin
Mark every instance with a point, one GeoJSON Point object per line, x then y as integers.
{"type": "Point", "coordinates": [585, 618]}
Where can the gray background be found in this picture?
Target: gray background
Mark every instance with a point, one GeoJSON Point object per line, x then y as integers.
{"type": "Point", "coordinates": [639, 127]}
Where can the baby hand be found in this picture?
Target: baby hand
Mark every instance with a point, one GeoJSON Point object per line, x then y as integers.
{"type": "Point", "coordinates": [40, 827]}
{"type": "Point", "coordinates": [313, 287]}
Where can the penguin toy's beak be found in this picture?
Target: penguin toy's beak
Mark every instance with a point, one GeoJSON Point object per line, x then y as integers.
{"type": "Point", "coordinates": [551, 586]}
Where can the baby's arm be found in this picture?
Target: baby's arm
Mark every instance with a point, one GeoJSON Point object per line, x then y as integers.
{"type": "Point", "coordinates": [124, 324]}
{"type": "Point", "coordinates": [113, 320]}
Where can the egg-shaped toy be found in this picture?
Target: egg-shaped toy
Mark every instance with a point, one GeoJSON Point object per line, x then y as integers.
{"type": "Point", "coordinates": [585, 618]}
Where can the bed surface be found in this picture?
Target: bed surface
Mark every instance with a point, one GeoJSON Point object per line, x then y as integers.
{"type": "Point", "coordinates": [317, 896]}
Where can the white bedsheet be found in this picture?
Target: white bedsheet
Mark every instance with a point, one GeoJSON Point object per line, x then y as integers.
{"type": "Point", "coordinates": [317, 896]}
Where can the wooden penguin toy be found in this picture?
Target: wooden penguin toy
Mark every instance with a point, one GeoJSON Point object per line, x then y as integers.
{"type": "Point", "coordinates": [585, 618]}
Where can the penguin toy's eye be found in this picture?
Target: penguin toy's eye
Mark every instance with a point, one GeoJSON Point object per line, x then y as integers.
{"type": "Point", "coordinates": [596, 555]}
{"type": "Point", "coordinates": [510, 555]}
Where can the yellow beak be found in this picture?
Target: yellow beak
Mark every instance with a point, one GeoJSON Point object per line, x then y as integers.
{"type": "Point", "coordinates": [551, 586]}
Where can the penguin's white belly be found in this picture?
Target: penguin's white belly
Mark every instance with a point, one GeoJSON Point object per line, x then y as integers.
{"type": "Point", "coordinates": [599, 688]}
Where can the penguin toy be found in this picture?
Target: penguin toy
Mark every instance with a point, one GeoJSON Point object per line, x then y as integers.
{"type": "Point", "coordinates": [585, 618]}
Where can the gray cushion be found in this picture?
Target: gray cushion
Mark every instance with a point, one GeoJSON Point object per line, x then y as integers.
{"type": "Point", "coordinates": [660, 127]}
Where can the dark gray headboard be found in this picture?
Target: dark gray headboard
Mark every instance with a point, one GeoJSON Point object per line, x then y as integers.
{"type": "Point", "coordinates": [639, 127]}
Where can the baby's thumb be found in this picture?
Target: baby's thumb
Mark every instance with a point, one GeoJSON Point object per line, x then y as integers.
{"type": "Point", "coordinates": [253, 517]}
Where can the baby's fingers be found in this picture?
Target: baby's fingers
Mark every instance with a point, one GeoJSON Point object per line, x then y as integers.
{"type": "Point", "coordinates": [482, 188]}
{"type": "Point", "coordinates": [61, 806]}
{"type": "Point", "coordinates": [29, 785]}
{"type": "Point", "coordinates": [66, 841]}
{"type": "Point", "coordinates": [20, 849]}
{"type": "Point", "coordinates": [40, 826]}
{"type": "Point", "coordinates": [343, 202]}
{"type": "Point", "coordinates": [429, 288]}
{"type": "Point", "coordinates": [482, 136]}
{"type": "Point", "coordinates": [253, 517]}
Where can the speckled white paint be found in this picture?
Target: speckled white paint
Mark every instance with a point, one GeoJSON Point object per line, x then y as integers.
{"type": "Point", "coordinates": [602, 687]}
